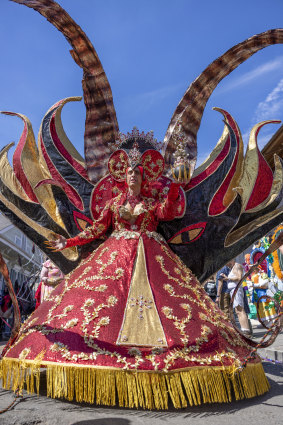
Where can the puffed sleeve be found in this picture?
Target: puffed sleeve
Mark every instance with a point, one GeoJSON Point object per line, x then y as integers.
{"type": "Point", "coordinates": [98, 229]}
{"type": "Point", "coordinates": [168, 209]}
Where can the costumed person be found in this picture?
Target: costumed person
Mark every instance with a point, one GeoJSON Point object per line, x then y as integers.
{"type": "Point", "coordinates": [50, 277]}
{"type": "Point", "coordinates": [130, 324]}
{"type": "Point", "coordinates": [247, 263]}
{"type": "Point", "coordinates": [260, 282]}
{"type": "Point", "coordinates": [278, 260]}
{"type": "Point", "coordinates": [132, 318]}
{"type": "Point", "coordinates": [234, 276]}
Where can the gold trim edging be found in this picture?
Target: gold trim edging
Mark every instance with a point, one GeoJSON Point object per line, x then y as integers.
{"type": "Point", "coordinates": [146, 389]}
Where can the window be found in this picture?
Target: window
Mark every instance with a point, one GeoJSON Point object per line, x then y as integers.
{"type": "Point", "coordinates": [18, 241]}
{"type": "Point", "coordinates": [28, 247]}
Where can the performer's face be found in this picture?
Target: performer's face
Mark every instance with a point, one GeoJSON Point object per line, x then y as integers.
{"type": "Point", "coordinates": [134, 179]}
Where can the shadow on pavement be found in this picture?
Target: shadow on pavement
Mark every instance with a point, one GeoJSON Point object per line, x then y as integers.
{"type": "Point", "coordinates": [104, 421]}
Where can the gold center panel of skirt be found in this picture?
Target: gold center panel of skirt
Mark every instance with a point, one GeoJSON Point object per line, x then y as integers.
{"type": "Point", "coordinates": [141, 323]}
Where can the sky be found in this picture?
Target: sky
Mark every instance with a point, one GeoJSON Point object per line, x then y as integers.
{"type": "Point", "coordinates": [151, 51]}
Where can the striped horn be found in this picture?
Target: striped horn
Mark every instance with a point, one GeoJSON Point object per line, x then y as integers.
{"type": "Point", "coordinates": [101, 126]}
{"type": "Point", "coordinates": [190, 109]}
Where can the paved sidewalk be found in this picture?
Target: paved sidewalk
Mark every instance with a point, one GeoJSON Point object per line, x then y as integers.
{"type": "Point", "coordinates": [274, 351]}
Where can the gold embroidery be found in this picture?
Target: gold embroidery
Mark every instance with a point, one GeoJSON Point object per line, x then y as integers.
{"type": "Point", "coordinates": [129, 234]}
{"type": "Point", "coordinates": [118, 165]}
{"type": "Point", "coordinates": [218, 320]}
{"type": "Point", "coordinates": [60, 316]}
{"type": "Point", "coordinates": [151, 174]}
{"type": "Point", "coordinates": [193, 299]}
{"type": "Point", "coordinates": [24, 353]}
{"type": "Point", "coordinates": [179, 324]}
{"type": "Point", "coordinates": [90, 317]}
{"type": "Point", "coordinates": [93, 231]}
{"type": "Point", "coordinates": [183, 353]}
{"type": "Point", "coordinates": [71, 323]}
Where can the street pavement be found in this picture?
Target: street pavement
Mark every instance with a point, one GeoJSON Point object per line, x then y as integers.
{"type": "Point", "coordinates": [275, 351]}
{"type": "Point", "coordinates": [266, 409]}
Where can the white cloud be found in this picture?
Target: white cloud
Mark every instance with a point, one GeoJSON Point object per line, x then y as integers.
{"type": "Point", "coordinates": [269, 109]}
{"type": "Point", "coordinates": [272, 106]}
{"type": "Point", "coordinates": [266, 68]}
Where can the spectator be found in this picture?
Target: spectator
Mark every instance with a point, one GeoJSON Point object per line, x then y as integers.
{"type": "Point", "coordinates": [223, 293]}
{"type": "Point", "coordinates": [210, 287]}
{"type": "Point", "coordinates": [233, 279]}
{"type": "Point", "coordinates": [50, 277]}
{"type": "Point", "coordinates": [6, 313]}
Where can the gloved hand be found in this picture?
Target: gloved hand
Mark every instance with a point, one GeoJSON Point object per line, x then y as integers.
{"type": "Point", "coordinates": [174, 191]}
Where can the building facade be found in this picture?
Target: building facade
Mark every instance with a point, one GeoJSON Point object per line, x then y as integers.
{"type": "Point", "coordinates": [22, 257]}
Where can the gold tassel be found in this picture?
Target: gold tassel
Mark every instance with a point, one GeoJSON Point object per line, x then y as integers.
{"type": "Point", "coordinates": [146, 389]}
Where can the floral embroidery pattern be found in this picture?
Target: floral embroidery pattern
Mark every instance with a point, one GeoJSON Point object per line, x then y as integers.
{"type": "Point", "coordinates": [90, 317]}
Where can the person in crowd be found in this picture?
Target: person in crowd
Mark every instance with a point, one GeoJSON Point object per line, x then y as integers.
{"type": "Point", "coordinates": [6, 314]}
{"type": "Point", "coordinates": [233, 278]}
{"type": "Point", "coordinates": [50, 277]}
{"type": "Point", "coordinates": [6, 304]}
{"type": "Point", "coordinates": [210, 287]}
{"type": "Point", "coordinates": [223, 293]}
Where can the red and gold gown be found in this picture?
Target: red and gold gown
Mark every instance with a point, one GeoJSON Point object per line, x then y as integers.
{"type": "Point", "coordinates": [131, 325]}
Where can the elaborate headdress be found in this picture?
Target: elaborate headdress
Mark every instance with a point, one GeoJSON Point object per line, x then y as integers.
{"type": "Point", "coordinates": [134, 149]}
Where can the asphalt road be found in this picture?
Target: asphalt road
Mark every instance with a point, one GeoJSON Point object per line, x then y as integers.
{"type": "Point", "coordinates": [34, 410]}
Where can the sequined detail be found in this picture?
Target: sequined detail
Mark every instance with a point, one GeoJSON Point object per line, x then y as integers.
{"type": "Point", "coordinates": [129, 234]}
{"type": "Point", "coordinates": [142, 304]}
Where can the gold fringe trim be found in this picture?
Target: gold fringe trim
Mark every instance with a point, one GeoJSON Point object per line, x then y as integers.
{"type": "Point", "coordinates": [150, 390]}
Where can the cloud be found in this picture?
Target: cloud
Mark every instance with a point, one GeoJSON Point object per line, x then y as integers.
{"type": "Point", "coordinates": [261, 70]}
{"type": "Point", "coordinates": [269, 109]}
{"type": "Point", "coordinates": [272, 106]}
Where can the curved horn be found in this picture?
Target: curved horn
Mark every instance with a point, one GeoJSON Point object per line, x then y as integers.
{"type": "Point", "coordinates": [187, 116]}
{"type": "Point", "coordinates": [101, 125]}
